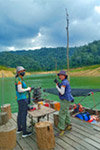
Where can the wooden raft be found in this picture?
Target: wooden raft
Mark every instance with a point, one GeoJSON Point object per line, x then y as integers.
{"type": "Point", "coordinates": [82, 137]}
{"type": "Point", "coordinates": [45, 135]}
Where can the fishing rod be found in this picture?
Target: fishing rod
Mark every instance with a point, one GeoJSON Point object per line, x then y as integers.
{"type": "Point", "coordinates": [83, 100]}
{"type": "Point", "coordinates": [29, 95]}
{"type": "Point", "coordinates": [94, 102]}
{"type": "Point", "coordinates": [95, 105]}
{"type": "Point", "coordinates": [84, 97]}
{"type": "Point", "coordinates": [56, 79]}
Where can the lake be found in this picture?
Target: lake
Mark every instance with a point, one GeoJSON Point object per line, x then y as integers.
{"type": "Point", "coordinates": [46, 81]}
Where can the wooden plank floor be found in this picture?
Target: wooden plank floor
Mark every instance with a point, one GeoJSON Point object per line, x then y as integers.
{"type": "Point", "coordinates": [82, 137]}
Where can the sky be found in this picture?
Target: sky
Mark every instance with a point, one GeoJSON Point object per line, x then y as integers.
{"type": "Point", "coordinates": [32, 24]}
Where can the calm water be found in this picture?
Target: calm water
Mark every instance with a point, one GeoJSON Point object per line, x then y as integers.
{"type": "Point", "coordinates": [46, 81]}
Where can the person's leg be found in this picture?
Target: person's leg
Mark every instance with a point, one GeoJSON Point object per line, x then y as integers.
{"type": "Point", "coordinates": [62, 115]}
{"type": "Point", "coordinates": [68, 119]}
{"type": "Point", "coordinates": [24, 116]}
{"type": "Point", "coordinates": [19, 125]}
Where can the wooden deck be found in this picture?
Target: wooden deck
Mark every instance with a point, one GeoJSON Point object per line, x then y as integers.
{"type": "Point", "coordinates": [82, 137]}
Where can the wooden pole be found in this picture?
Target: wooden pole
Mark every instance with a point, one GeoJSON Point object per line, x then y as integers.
{"type": "Point", "coordinates": [2, 102]}
{"type": "Point", "coordinates": [67, 29]}
{"type": "Point", "coordinates": [56, 67]}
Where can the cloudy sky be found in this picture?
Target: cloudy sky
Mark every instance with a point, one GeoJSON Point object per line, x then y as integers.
{"type": "Point", "coordinates": [31, 24]}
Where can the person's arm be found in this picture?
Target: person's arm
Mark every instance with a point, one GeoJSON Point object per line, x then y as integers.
{"type": "Point", "coordinates": [61, 90]}
{"type": "Point", "coordinates": [21, 90]}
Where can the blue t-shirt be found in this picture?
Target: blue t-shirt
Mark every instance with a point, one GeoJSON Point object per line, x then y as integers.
{"type": "Point", "coordinates": [67, 95]}
{"type": "Point", "coordinates": [23, 95]}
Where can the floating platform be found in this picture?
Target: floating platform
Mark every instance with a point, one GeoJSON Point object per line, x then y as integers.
{"type": "Point", "coordinates": [83, 136]}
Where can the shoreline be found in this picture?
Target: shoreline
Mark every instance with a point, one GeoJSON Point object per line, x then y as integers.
{"type": "Point", "coordinates": [92, 71]}
{"type": "Point", "coordinates": [75, 73]}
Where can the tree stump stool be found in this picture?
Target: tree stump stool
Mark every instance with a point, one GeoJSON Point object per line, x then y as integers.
{"type": "Point", "coordinates": [7, 136]}
{"type": "Point", "coordinates": [56, 119]}
{"type": "Point", "coordinates": [3, 118]}
{"type": "Point", "coordinates": [7, 108]}
{"type": "Point", "coordinates": [45, 135]}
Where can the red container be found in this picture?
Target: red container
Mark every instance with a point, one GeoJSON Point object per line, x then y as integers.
{"type": "Point", "coordinates": [47, 104]}
{"type": "Point", "coordinates": [33, 109]}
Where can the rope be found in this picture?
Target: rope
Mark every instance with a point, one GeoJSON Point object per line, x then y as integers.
{"type": "Point", "coordinates": [94, 103]}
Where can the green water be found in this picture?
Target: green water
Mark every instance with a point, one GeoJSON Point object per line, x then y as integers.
{"type": "Point", "coordinates": [46, 81]}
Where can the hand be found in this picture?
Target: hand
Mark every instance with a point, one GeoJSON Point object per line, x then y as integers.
{"type": "Point", "coordinates": [56, 81]}
{"type": "Point", "coordinates": [29, 89]}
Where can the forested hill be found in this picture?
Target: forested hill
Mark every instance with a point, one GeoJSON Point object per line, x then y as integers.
{"type": "Point", "coordinates": [37, 60]}
{"type": "Point", "coordinates": [86, 55]}
{"type": "Point", "coordinates": [44, 59]}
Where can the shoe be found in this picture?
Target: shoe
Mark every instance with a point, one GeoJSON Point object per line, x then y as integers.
{"type": "Point", "coordinates": [61, 133]}
{"type": "Point", "coordinates": [18, 131]}
{"type": "Point", "coordinates": [27, 134]}
{"type": "Point", "coordinates": [69, 127]}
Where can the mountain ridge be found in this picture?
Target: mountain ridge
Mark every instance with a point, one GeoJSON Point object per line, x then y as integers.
{"type": "Point", "coordinates": [45, 59]}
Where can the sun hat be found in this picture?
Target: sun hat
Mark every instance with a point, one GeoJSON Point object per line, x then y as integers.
{"type": "Point", "coordinates": [62, 72]}
{"type": "Point", "coordinates": [18, 69]}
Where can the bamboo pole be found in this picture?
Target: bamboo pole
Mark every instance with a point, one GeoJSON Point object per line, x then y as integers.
{"type": "Point", "coordinates": [56, 67]}
{"type": "Point", "coordinates": [2, 99]}
{"type": "Point", "coordinates": [67, 29]}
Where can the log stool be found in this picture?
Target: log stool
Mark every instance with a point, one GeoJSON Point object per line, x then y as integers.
{"type": "Point", "coordinates": [7, 136]}
{"type": "Point", "coordinates": [56, 119]}
{"type": "Point", "coordinates": [45, 135]}
{"type": "Point", "coordinates": [3, 118]}
{"type": "Point", "coordinates": [7, 108]}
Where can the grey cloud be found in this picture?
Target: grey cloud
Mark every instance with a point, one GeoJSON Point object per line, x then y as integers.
{"type": "Point", "coordinates": [22, 20]}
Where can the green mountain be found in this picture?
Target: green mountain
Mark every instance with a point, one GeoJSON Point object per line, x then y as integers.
{"type": "Point", "coordinates": [44, 59]}
{"type": "Point", "coordinates": [86, 55]}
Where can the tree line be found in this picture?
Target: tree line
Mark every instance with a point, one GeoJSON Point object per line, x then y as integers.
{"type": "Point", "coordinates": [45, 59]}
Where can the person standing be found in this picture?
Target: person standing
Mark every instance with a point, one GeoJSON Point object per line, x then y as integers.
{"type": "Point", "coordinates": [21, 96]}
{"type": "Point", "coordinates": [65, 96]}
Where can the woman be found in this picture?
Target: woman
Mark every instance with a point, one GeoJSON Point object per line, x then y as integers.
{"type": "Point", "coordinates": [21, 96]}
{"type": "Point", "coordinates": [65, 96]}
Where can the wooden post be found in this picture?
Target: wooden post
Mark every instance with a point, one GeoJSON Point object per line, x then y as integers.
{"type": "Point", "coordinates": [3, 118]}
{"type": "Point", "coordinates": [7, 108]}
{"type": "Point", "coordinates": [45, 135]}
{"type": "Point", "coordinates": [7, 137]}
{"type": "Point", "coordinates": [67, 29]}
{"type": "Point", "coordinates": [56, 118]}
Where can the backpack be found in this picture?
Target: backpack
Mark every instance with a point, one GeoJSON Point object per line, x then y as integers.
{"type": "Point", "coordinates": [83, 116]}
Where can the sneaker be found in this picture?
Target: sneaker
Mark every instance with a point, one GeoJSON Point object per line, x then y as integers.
{"type": "Point", "coordinates": [69, 127]}
{"type": "Point", "coordinates": [18, 131]}
{"type": "Point", "coordinates": [27, 134]}
{"type": "Point", "coordinates": [61, 133]}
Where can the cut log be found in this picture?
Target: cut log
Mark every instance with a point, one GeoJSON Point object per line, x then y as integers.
{"type": "Point", "coordinates": [3, 118]}
{"type": "Point", "coordinates": [45, 135]}
{"type": "Point", "coordinates": [7, 108]}
{"type": "Point", "coordinates": [7, 136]}
{"type": "Point", "coordinates": [56, 118]}
{"type": "Point", "coordinates": [52, 105]}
